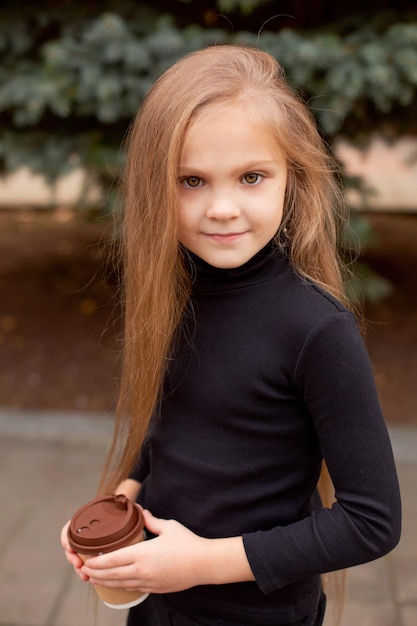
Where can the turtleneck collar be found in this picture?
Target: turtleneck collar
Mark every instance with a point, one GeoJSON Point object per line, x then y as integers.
{"type": "Point", "coordinates": [206, 278]}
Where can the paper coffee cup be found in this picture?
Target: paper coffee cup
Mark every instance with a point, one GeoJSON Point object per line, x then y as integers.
{"type": "Point", "coordinates": [103, 525]}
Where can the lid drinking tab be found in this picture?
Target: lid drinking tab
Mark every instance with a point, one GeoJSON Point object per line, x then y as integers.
{"type": "Point", "coordinates": [105, 524]}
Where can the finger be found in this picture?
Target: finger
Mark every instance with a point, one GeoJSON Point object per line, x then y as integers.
{"type": "Point", "coordinates": [116, 574]}
{"type": "Point", "coordinates": [116, 559]}
{"type": "Point", "coordinates": [81, 575]}
{"type": "Point", "coordinates": [74, 559]}
{"type": "Point", "coordinates": [129, 584]}
{"type": "Point", "coordinates": [154, 524]}
{"type": "Point", "coordinates": [71, 555]}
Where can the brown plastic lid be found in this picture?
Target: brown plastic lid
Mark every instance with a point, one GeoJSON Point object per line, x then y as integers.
{"type": "Point", "coordinates": [105, 524]}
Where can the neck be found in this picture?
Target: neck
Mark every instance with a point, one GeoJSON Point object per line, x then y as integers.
{"type": "Point", "coordinates": [206, 277]}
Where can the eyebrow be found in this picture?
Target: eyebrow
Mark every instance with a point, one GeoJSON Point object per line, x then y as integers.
{"type": "Point", "coordinates": [245, 167]}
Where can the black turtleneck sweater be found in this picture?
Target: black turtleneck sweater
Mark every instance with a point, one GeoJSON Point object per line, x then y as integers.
{"type": "Point", "coordinates": [270, 376]}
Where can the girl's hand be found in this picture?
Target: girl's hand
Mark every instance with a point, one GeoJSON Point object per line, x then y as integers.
{"type": "Point", "coordinates": [128, 487]}
{"type": "Point", "coordinates": [175, 560]}
{"type": "Point", "coordinates": [71, 556]}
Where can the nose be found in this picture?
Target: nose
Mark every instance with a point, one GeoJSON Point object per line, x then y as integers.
{"type": "Point", "coordinates": [222, 206]}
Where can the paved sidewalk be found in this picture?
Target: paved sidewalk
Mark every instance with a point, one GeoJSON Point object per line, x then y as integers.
{"type": "Point", "coordinates": [50, 464]}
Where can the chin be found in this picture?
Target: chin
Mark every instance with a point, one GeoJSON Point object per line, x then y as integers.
{"type": "Point", "coordinates": [227, 264]}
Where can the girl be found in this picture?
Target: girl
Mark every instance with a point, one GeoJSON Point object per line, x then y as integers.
{"type": "Point", "coordinates": [243, 367]}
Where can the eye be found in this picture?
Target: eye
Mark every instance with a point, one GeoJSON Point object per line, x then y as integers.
{"type": "Point", "coordinates": [252, 178]}
{"type": "Point", "coordinates": [191, 182]}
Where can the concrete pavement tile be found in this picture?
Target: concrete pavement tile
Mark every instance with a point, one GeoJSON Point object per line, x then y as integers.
{"type": "Point", "coordinates": [34, 562]}
{"type": "Point", "coordinates": [46, 483]}
{"type": "Point", "coordinates": [369, 583]}
{"type": "Point", "coordinates": [407, 547]}
{"type": "Point", "coordinates": [409, 615]}
{"type": "Point", "coordinates": [404, 443]}
{"type": "Point", "coordinates": [403, 560]}
{"type": "Point", "coordinates": [25, 555]}
{"type": "Point", "coordinates": [407, 473]}
{"type": "Point", "coordinates": [39, 471]}
{"type": "Point", "coordinates": [405, 572]}
{"type": "Point", "coordinates": [359, 614]}
{"type": "Point", "coordinates": [28, 595]}
{"type": "Point", "coordinates": [52, 426]}
{"type": "Point", "coordinates": [369, 598]}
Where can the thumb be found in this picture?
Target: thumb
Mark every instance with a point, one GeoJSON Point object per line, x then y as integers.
{"type": "Point", "coordinates": [154, 524]}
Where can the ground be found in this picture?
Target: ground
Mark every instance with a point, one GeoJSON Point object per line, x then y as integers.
{"type": "Point", "coordinates": [60, 326]}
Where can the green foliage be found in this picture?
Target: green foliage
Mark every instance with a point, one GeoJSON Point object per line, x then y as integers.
{"type": "Point", "coordinates": [68, 89]}
{"type": "Point", "coordinates": [364, 282]}
{"type": "Point", "coordinates": [353, 81]}
{"type": "Point", "coordinates": [72, 78]}
{"type": "Point", "coordinates": [246, 6]}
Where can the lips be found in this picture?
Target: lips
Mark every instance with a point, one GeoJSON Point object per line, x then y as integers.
{"type": "Point", "coordinates": [224, 237]}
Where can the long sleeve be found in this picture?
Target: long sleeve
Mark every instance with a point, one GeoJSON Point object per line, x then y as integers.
{"type": "Point", "coordinates": [334, 377]}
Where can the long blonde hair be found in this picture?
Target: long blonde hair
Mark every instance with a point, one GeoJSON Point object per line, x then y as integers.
{"type": "Point", "coordinates": [156, 286]}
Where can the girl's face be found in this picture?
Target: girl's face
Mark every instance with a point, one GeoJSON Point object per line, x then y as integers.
{"type": "Point", "coordinates": [232, 180]}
